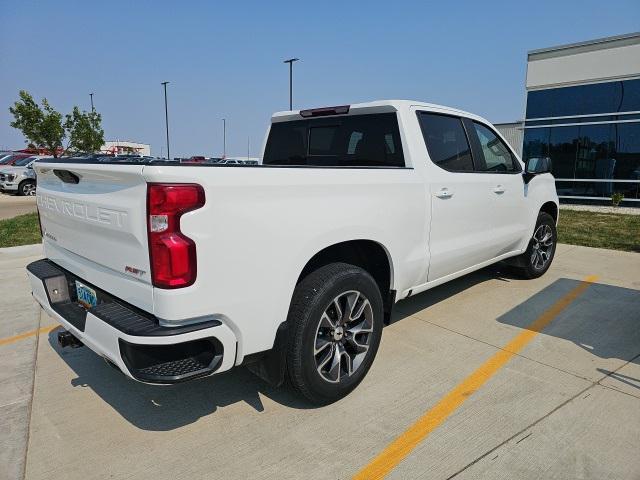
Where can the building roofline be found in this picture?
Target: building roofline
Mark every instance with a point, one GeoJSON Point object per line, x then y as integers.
{"type": "Point", "coordinates": [596, 41]}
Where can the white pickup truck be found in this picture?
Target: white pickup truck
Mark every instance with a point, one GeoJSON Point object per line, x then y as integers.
{"type": "Point", "coordinates": [173, 272]}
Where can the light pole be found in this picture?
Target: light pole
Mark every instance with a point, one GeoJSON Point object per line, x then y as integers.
{"type": "Point", "coordinates": [290, 62]}
{"type": "Point", "coordinates": [166, 117]}
{"type": "Point", "coordinates": [224, 138]}
{"type": "Point", "coordinates": [92, 109]}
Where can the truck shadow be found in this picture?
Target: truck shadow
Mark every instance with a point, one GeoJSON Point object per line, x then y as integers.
{"type": "Point", "coordinates": [603, 320]}
{"type": "Point", "coordinates": [421, 301]}
{"type": "Point", "coordinates": [167, 407]}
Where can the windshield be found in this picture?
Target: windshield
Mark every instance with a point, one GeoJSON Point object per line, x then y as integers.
{"type": "Point", "coordinates": [23, 161]}
{"type": "Point", "coordinates": [5, 159]}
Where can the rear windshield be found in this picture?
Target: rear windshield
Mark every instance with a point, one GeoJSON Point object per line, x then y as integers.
{"type": "Point", "coordinates": [350, 141]}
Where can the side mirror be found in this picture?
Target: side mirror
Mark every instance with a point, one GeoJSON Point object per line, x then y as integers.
{"type": "Point", "coordinates": [536, 166]}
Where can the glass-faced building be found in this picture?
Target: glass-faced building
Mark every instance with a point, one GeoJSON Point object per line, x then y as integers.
{"type": "Point", "coordinates": [583, 112]}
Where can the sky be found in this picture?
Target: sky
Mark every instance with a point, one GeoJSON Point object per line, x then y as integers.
{"type": "Point", "coordinates": [224, 59]}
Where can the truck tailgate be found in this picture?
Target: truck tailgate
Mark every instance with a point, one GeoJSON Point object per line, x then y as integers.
{"type": "Point", "coordinates": [93, 219]}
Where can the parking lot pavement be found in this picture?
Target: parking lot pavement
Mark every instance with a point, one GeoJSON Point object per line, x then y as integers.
{"type": "Point", "coordinates": [566, 405]}
{"type": "Point", "coordinates": [12, 205]}
{"type": "Point", "coordinates": [18, 314]}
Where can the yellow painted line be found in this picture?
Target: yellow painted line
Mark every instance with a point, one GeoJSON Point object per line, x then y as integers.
{"type": "Point", "coordinates": [22, 336]}
{"type": "Point", "coordinates": [402, 446]}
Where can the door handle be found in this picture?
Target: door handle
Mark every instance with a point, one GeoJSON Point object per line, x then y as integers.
{"type": "Point", "coordinates": [444, 193]}
{"type": "Point", "coordinates": [499, 189]}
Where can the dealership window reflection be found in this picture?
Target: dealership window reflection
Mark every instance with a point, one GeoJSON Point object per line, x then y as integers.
{"type": "Point", "coordinates": [602, 144]}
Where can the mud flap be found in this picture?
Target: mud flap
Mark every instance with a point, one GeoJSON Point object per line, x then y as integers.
{"type": "Point", "coordinates": [272, 365]}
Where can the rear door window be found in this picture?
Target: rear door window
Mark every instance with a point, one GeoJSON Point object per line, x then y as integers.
{"type": "Point", "coordinates": [351, 141]}
{"type": "Point", "coordinates": [446, 141]}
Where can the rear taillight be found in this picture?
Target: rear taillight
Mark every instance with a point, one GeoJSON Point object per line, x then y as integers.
{"type": "Point", "coordinates": [172, 254]}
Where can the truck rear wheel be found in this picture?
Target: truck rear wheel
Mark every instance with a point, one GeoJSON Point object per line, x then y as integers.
{"type": "Point", "coordinates": [336, 318]}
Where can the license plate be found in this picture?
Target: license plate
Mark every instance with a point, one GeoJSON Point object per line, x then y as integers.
{"type": "Point", "coordinates": [86, 296]}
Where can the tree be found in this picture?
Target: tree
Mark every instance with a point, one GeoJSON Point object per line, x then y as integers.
{"type": "Point", "coordinates": [41, 127]}
{"type": "Point", "coordinates": [84, 130]}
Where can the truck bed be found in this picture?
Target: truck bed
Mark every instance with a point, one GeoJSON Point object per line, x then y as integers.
{"type": "Point", "coordinates": [256, 231]}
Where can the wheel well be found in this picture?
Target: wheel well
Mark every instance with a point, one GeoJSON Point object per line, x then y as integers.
{"type": "Point", "coordinates": [550, 208]}
{"type": "Point", "coordinates": [366, 254]}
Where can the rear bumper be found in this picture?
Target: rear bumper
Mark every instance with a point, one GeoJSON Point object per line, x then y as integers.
{"type": "Point", "coordinates": [132, 339]}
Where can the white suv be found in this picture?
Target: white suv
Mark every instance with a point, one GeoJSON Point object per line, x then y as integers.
{"type": "Point", "coordinates": [19, 178]}
{"type": "Point", "coordinates": [291, 266]}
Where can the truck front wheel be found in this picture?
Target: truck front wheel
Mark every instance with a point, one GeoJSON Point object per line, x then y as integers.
{"type": "Point", "coordinates": [536, 260]}
{"type": "Point", "coordinates": [336, 318]}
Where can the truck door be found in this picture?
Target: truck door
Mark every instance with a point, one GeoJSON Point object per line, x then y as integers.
{"type": "Point", "coordinates": [461, 225]}
{"type": "Point", "coordinates": [507, 189]}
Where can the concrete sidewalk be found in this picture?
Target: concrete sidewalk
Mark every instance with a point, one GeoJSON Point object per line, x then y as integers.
{"type": "Point", "coordinates": [18, 314]}
{"type": "Point", "coordinates": [13, 205]}
{"type": "Point", "coordinates": [568, 406]}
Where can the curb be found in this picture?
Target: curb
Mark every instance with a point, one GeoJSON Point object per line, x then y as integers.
{"type": "Point", "coordinates": [21, 250]}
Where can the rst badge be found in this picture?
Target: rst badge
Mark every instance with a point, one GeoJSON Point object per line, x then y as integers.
{"type": "Point", "coordinates": [134, 271]}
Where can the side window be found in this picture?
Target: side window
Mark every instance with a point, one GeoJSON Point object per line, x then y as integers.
{"type": "Point", "coordinates": [497, 157]}
{"type": "Point", "coordinates": [446, 141]}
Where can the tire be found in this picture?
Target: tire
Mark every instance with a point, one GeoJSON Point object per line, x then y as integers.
{"type": "Point", "coordinates": [27, 188]}
{"type": "Point", "coordinates": [537, 259]}
{"type": "Point", "coordinates": [320, 339]}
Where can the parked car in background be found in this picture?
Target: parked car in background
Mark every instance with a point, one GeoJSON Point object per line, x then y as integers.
{"type": "Point", "coordinates": [124, 158]}
{"type": "Point", "coordinates": [193, 159]}
{"type": "Point", "coordinates": [292, 266]}
{"type": "Point", "coordinates": [20, 178]}
{"type": "Point", "coordinates": [237, 161]}
{"type": "Point", "coordinates": [10, 158]}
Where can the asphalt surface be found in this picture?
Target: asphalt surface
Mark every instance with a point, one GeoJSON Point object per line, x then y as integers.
{"type": "Point", "coordinates": [12, 205]}
{"type": "Point", "coordinates": [566, 405]}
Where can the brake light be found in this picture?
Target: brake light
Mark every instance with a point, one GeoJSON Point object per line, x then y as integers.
{"type": "Point", "coordinates": [172, 255]}
{"type": "Point", "coordinates": [323, 112]}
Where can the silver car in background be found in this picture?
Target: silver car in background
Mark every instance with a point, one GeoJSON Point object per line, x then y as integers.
{"type": "Point", "coordinates": [20, 178]}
